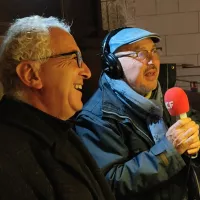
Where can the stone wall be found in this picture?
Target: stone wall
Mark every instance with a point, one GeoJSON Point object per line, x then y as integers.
{"type": "Point", "coordinates": [177, 21]}
{"type": "Point", "coordinates": [117, 13]}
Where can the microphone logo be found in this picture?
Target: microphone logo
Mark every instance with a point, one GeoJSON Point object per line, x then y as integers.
{"type": "Point", "coordinates": [169, 105]}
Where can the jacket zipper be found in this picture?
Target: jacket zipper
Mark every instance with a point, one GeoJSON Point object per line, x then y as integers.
{"type": "Point", "coordinates": [125, 117]}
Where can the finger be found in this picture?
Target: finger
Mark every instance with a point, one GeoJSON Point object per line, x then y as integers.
{"type": "Point", "coordinates": [190, 132]}
{"type": "Point", "coordinates": [186, 127]}
{"type": "Point", "coordinates": [182, 131]}
{"type": "Point", "coordinates": [176, 133]}
{"type": "Point", "coordinates": [193, 151]}
{"type": "Point", "coordinates": [195, 145]}
{"type": "Point", "coordinates": [179, 124]}
{"type": "Point", "coordinates": [189, 136]}
{"type": "Point", "coordinates": [189, 141]}
{"type": "Point", "coordinates": [189, 125]}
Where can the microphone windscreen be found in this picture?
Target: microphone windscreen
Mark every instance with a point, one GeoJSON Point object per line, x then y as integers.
{"type": "Point", "coordinates": [176, 101]}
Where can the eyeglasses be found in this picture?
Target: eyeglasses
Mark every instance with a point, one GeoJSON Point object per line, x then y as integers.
{"type": "Point", "coordinates": [141, 55]}
{"type": "Point", "coordinates": [77, 56]}
{"type": "Point", "coordinates": [73, 55]}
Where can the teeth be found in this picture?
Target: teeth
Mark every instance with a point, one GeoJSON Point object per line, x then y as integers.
{"type": "Point", "coordinates": [78, 87]}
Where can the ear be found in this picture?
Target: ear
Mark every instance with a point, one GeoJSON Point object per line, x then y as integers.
{"type": "Point", "coordinates": [28, 75]}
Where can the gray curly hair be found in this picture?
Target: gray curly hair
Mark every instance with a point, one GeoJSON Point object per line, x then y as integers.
{"type": "Point", "coordinates": [27, 39]}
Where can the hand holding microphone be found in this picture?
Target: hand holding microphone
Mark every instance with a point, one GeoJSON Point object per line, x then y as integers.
{"type": "Point", "coordinates": [184, 134]}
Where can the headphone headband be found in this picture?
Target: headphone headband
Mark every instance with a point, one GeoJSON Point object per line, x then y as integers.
{"type": "Point", "coordinates": [110, 63]}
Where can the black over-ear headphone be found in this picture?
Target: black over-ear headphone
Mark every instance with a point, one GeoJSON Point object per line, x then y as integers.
{"type": "Point", "coordinates": [110, 63]}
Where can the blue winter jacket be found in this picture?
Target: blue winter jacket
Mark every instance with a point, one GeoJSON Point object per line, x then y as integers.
{"type": "Point", "coordinates": [135, 167]}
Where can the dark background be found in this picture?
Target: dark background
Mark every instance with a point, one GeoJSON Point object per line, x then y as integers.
{"type": "Point", "coordinates": [85, 17]}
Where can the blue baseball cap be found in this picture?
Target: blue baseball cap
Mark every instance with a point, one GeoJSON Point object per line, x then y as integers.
{"type": "Point", "coordinates": [129, 36]}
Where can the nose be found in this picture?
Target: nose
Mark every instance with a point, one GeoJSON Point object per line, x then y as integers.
{"type": "Point", "coordinates": [85, 71]}
{"type": "Point", "coordinates": [150, 61]}
{"type": "Point", "coordinates": [151, 58]}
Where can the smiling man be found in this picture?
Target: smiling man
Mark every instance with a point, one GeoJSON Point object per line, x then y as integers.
{"type": "Point", "coordinates": [41, 158]}
{"type": "Point", "coordinates": [126, 127]}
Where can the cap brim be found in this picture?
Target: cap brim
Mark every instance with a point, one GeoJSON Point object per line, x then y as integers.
{"type": "Point", "coordinates": [155, 39]}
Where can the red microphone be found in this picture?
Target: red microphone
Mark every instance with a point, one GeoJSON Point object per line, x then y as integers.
{"type": "Point", "coordinates": [176, 102]}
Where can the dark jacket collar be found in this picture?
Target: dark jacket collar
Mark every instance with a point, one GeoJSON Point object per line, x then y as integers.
{"type": "Point", "coordinates": [25, 116]}
{"type": "Point", "coordinates": [47, 128]}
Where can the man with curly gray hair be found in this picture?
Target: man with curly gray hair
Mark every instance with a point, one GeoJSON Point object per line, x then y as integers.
{"type": "Point", "coordinates": [42, 73]}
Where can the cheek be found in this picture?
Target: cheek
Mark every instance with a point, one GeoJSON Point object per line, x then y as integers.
{"type": "Point", "coordinates": [57, 82]}
{"type": "Point", "coordinates": [133, 73]}
{"type": "Point", "coordinates": [158, 66]}
{"type": "Point", "coordinates": [48, 74]}
{"type": "Point", "coordinates": [132, 68]}
{"type": "Point", "coordinates": [75, 100]}
{"type": "Point", "coordinates": [157, 63]}
{"type": "Point", "coordinates": [67, 81]}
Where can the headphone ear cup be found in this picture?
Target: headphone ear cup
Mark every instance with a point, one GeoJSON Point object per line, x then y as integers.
{"type": "Point", "coordinates": [110, 62]}
{"type": "Point", "coordinates": [114, 67]}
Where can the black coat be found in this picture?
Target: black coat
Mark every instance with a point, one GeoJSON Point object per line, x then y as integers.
{"type": "Point", "coordinates": [42, 158]}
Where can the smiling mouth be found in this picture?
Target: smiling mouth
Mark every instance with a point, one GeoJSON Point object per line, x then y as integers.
{"type": "Point", "coordinates": [78, 87]}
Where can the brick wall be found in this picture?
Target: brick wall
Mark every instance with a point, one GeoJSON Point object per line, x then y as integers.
{"type": "Point", "coordinates": [177, 21]}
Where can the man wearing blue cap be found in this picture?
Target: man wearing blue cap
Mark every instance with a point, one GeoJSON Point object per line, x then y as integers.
{"type": "Point", "coordinates": [125, 127]}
